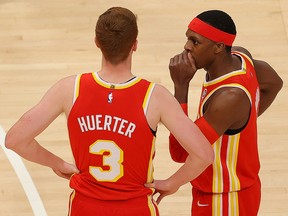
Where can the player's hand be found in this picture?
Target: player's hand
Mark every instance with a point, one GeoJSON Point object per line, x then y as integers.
{"type": "Point", "coordinates": [163, 188]}
{"type": "Point", "coordinates": [66, 170]}
{"type": "Point", "coordinates": [182, 68]}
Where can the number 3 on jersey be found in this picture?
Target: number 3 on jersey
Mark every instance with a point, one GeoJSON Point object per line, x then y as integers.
{"type": "Point", "coordinates": [113, 160]}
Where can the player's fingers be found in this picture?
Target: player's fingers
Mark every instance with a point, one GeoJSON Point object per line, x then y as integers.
{"type": "Point", "coordinates": [191, 60]}
{"type": "Point", "coordinates": [159, 199]}
{"type": "Point", "coordinates": [150, 185]}
{"type": "Point", "coordinates": [185, 57]}
{"type": "Point", "coordinates": [174, 60]}
{"type": "Point", "coordinates": [69, 168]}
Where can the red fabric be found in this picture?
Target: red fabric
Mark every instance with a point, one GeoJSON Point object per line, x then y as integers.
{"type": "Point", "coordinates": [246, 204]}
{"type": "Point", "coordinates": [98, 126]}
{"type": "Point", "coordinates": [207, 130]}
{"type": "Point", "coordinates": [177, 152]}
{"type": "Point", "coordinates": [82, 205]}
{"type": "Point", "coordinates": [211, 32]}
{"type": "Point", "coordinates": [236, 164]}
{"type": "Point", "coordinates": [184, 108]}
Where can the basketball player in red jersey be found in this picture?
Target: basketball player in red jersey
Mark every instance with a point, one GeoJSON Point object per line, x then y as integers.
{"type": "Point", "coordinates": [112, 121]}
{"type": "Point", "coordinates": [236, 89]}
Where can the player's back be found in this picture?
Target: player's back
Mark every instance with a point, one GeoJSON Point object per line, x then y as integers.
{"type": "Point", "coordinates": [111, 141]}
{"type": "Point", "coordinates": [110, 138]}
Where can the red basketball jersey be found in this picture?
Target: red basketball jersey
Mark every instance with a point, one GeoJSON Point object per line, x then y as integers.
{"type": "Point", "coordinates": [236, 164]}
{"type": "Point", "coordinates": [112, 143]}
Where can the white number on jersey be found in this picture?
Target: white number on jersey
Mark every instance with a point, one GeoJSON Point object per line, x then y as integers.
{"type": "Point", "coordinates": [114, 160]}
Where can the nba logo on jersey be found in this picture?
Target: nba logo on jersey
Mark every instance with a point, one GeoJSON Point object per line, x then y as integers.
{"type": "Point", "coordinates": [110, 97]}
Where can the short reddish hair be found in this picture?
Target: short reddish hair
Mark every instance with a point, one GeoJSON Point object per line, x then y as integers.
{"type": "Point", "coordinates": [116, 32]}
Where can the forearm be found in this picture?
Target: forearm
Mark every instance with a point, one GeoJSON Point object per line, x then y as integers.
{"type": "Point", "coordinates": [267, 97]}
{"type": "Point", "coordinates": [265, 102]}
{"type": "Point", "coordinates": [177, 152]}
{"type": "Point", "coordinates": [181, 93]}
{"type": "Point", "coordinates": [270, 84]}
{"type": "Point", "coordinates": [34, 152]}
{"type": "Point", "coordinates": [191, 169]}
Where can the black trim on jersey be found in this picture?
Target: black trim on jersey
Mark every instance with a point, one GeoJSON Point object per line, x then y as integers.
{"type": "Point", "coordinates": [153, 132]}
{"type": "Point", "coordinates": [235, 131]}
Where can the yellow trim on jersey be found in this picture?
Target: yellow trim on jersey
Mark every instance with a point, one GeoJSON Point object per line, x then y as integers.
{"type": "Point", "coordinates": [233, 73]}
{"type": "Point", "coordinates": [76, 87]}
{"type": "Point", "coordinates": [147, 97]}
{"type": "Point", "coordinates": [150, 177]}
{"type": "Point", "coordinates": [232, 157]}
{"type": "Point", "coordinates": [226, 76]}
{"type": "Point", "coordinates": [72, 196]}
{"type": "Point", "coordinates": [150, 172]}
{"type": "Point", "coordinates": [115, 85]}
{"type": "Point", "coordinates": [217, 167]}
{"type": "Point", "coordinates": [233, 204]}
{"type": "Point", "coordinates": [233, 208]}
{"type": "Point", "coordinates": [151, 205]}
{"type": "Point", "coordinates": [243, 54]}
{"type": "Point", "coordinates": [217, 203]}
{"type": "Point", "coordinates": [231, 163]}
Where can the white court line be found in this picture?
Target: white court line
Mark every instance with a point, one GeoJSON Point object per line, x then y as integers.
{"type": "Point", "coordinates": [24, 177]}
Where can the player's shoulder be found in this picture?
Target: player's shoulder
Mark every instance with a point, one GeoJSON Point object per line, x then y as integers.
{"type": "Point", "coordinates": [160, 89]}
{"type": "Point", "coordinates": [242, 50]}
{"type": "Point", "coordinates": [67, 81]}
{"type": "Point", "coordinates": [64, 85]}
{"type": "Point", "coordinates": [228, 96]}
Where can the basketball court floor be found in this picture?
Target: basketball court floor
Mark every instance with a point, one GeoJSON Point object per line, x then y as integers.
{"type": "Point", "coordinates": [43, 41]}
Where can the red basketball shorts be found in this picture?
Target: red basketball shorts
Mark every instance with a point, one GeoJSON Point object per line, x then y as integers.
{"type": "Point", "coordinates": [245, 202]}
{"type": "Point", "coordinates": [80, 205]}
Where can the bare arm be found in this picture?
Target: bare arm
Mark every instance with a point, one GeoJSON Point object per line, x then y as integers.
{"type": "Point", "coordinates": [182, 69]}
{"type": "Point", "coordinates": [270, 84]}
{"type": "Point", "coordinates": [228, 108]}
{"type": "Point", "coordinates": [269, 81]}
{"type": "Point", "coordinates": [200, 152]}
{"type": "Point", "coordinates": [21, 137]}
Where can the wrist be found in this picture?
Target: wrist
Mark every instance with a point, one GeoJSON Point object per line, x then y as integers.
{"type": "Point", "coordinates": [57, 163]}
{"type": "Point", "coordinates": [181, 94]}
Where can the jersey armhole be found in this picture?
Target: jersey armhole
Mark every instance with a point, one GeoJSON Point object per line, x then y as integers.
{"type": "Point", "coordinates": [76, 88]}
{"type": "Point", "coordinates": [146, 102]}
{"type": "Point", "coordinates": [148, 97]}
{"type": "Point", "coordinates": [244, 55]}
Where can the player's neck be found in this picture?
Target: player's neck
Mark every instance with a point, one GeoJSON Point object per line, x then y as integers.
{"type": "Point", "coordinates": [222, 66]}
{"type": "Point", "coordinates": [119, 73]}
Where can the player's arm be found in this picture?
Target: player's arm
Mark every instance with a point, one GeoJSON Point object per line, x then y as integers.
{"type": "Point", "coordinates": [21, 137]}
{"type": "Point", "coordinates": [270, 84]}
{"type": "Point", "coordinates": [200, 152]}
{"type": "Point", "coordinates": [228, 108]}
{"type": "Point", "coordinates": [182, 69]}
{"type": "Point", "coordinates": [269, 81]}
{"type": "Point", "coordinates": [177, 152]}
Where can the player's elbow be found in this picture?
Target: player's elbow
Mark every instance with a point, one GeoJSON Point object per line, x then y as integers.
{"type": "Point", "coordinates": [279, 84]}
{"type": "Point", "coordinates": [207, 157]}
{"type": "Point", "coordinates": [10, 142]}
{"type": "Point", "coordinates": [179, 158]}
{"type": "Point", "coordinates": [210, 157]}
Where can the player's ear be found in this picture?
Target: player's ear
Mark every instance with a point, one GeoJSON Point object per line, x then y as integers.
{"type": "Point", "coordinates": [96, 42]}
{"type": "Point", "coordinates": [219, 47]}
{"type": "Point", "coordinates": [134, 47]}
